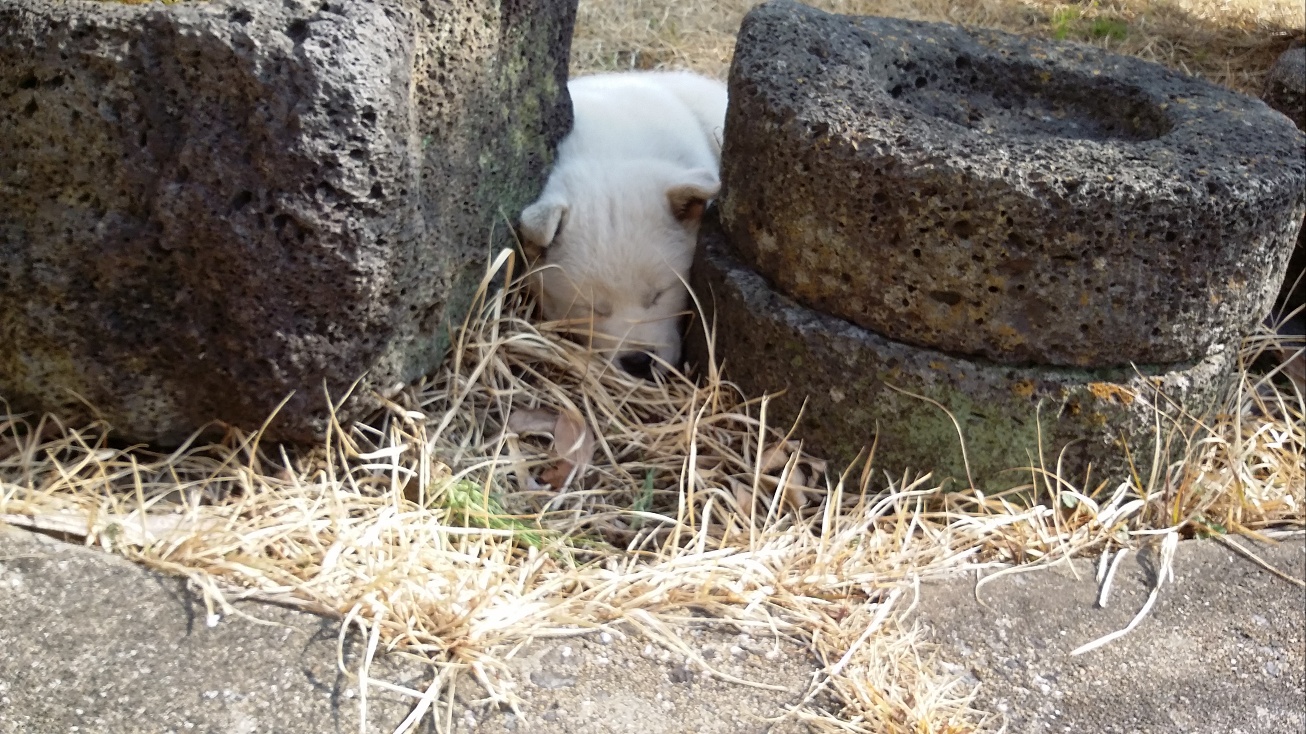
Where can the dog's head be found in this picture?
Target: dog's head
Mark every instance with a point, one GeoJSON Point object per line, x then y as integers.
{"type": "Point", "coordinates": [616, 241]}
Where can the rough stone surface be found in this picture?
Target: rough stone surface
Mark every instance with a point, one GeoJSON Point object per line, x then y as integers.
{"type": "Point", "coordinates": [95, 643]}
{"type": "Point", "coordinates": [1285, 85]}
{"type": "Point", "coordinates": [992, 195]}
{"type": "Point", "coordinates": [205, 207]}
{"type": "Point", "coordinates": [1285, 91]}
{"type": "Point", "coordinates": [847, 375]}
{"type": "Point", "coordinates": [1222, 652]}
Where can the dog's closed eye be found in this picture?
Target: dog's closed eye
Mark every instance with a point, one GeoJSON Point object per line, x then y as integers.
{"type": "Point", "coordinates": [652, 300]}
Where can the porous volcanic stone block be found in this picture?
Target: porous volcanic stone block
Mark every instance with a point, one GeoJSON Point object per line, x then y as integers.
{"type": "Point", "coordinates": [207, 206]}
{"type": "Point", "coordinates": [1285, 91]}
{"type": "Point", "coordinates": [1285, 85]}
{"type": "Point", "coordinates": [847, 375]}
{"type": "Point", "coordinates": [993, 195]}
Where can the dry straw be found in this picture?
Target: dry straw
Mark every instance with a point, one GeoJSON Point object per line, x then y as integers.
{"type": "Point", "coordinates": [428, 527]}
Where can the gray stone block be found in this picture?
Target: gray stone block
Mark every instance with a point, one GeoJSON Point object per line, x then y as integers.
{"type": "Point", "coordinates": [1285, 91]}
{"type": "Point", "coordinates": [1019, 200]}
{"type": "Point", "coordinates": [842, 378]}
{"type": "Point", "coordinates": [1285, 85]}
{"type": "Point", "coordinates": [206, 207]}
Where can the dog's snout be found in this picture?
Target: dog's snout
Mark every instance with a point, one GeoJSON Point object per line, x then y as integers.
{"type": "Point", "coordinates": [639, 364]}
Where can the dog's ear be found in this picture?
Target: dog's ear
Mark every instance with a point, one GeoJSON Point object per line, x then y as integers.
{"type": "Point", "coordinates": [541, 222]}
{"type": "Point", "coordinates": [689, 196]}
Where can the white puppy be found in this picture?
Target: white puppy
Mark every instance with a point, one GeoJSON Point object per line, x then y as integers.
{"type": "Point", "coordinates": [618, 218]}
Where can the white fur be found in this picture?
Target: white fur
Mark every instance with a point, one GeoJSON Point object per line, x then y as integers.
{"type": "Point", "coordinates": [619, 215]}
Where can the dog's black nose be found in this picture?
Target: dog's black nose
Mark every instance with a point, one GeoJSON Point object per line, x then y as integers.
{"type": "Point", "coordinates": [638, 364]}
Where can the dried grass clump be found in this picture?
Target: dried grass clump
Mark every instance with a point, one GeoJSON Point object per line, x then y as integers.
{"type": "Point", "coordinates": [429, 529]}
{"type": "Point", "coordinates": [1231, 42]}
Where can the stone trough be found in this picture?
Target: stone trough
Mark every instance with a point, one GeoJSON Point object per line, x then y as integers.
{"type": "Point", "coordinates": [1022, 232]}
{"type": "Point", "coordinates": [990, 195]}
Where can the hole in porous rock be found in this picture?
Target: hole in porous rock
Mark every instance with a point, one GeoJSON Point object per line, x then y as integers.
{"type": "Point", "coordinates": [1017, 98]}
{"type": "Point", "coordinates": [377, 192]}
{"type": "Point", "coordinates": [31, 108]}
{"type": "Point", "coordinates": [951, 298]}
{"type": "Point", "coordinates": [297, 30]}
{"type": "Point", "coordinates": [241, 200]}
{"type": "Point", "coordinates": [241, 16]}
{"type": "Point", "coordinates": [963, 229]}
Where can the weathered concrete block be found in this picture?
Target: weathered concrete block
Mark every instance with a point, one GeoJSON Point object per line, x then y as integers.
{"type": "Point", "coordinates": [847, 375]}
{"type": "Point", "coordinates": [207, 206]}
{"type": "Point", "coordinates": [992, 195]}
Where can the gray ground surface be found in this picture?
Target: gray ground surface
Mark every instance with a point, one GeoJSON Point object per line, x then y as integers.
{"type": "Point", "coordinates": [1222, 652]}
{"type": "Point", "coordinates": [95, 644]}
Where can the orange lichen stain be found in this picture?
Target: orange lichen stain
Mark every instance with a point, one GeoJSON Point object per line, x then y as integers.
{"type": "Point", "coordinates": [1024, 389]}
{"type": "Point", "coordinates": [1008, 333]}
{"type": "Point", "coordinates": [1107, 391]}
